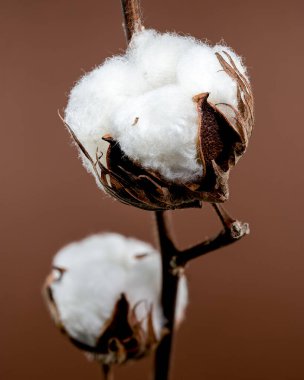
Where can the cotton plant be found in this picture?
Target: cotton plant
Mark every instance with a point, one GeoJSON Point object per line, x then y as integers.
{"type": "Point", "coordinates": [160, 127]}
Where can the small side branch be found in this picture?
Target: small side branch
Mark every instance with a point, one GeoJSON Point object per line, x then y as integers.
{"type": "Point", "coordinates": [233, 231]}
{"type": "Point", "coordinates": [132, 17]}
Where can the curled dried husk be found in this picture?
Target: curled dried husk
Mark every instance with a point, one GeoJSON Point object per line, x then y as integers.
{"type": "Point", "coordinates": [122, 338]}
{"type": "Point", "coordinates": [221, 141]}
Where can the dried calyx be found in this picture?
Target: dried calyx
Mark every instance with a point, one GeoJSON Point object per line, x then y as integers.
{"type": "Point", "coordinates": [223, 126]}
{"type": "Point", "coordinates": [103, 294]}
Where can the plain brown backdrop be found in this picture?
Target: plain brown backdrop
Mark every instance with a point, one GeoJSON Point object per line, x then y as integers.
{"type": "Point", "coordinates": [246, 313]}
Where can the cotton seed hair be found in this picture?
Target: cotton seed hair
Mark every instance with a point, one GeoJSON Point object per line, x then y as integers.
{"type": "Point", "coordinates": [179, 111]}
{"type": "Point", "coordinates": [104, 294]}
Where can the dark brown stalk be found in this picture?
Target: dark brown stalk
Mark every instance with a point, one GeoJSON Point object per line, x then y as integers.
{"type": "Point", "coordinates": [132, 17]}
{"type": "Point", "coordinates": [107, 373]}
{"type": "Point", "coordinates": [170, 279]}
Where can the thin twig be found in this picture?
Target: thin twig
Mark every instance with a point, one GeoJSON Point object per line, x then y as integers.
{"type": "Point", "coordinates": [233, 228]}
{"type": "Point", "coordinates": [132, 17]}
{"type": "Point", "coordinates": [223, 215]}
{"type": "Point", "coordinates": [233, 231]}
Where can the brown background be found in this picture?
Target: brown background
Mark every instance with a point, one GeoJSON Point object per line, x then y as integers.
{"type": "Point", "coordinates": [245, 320]}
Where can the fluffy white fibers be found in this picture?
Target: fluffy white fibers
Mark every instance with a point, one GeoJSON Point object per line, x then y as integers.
{"type": "Point", "coordinates": [154, 112]}
{"type": "Point", "coordinates": [144, 100]}
{"type": "Point", "coordinates": [97, 270]}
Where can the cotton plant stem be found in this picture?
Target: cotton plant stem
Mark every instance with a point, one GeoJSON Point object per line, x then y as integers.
{"type": "Point", "coordinates": [170, 279]}
{"type": "Point", "coordinates": [107, 372]}
{"type": "Point", "coordinates": [132, 17]}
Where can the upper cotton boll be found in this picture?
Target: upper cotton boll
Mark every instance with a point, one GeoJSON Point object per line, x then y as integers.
{"type": "Point", "coordinates": [115, 94]}
{"type": "Point", "coordinates": [95, 272]}
{"type": "Point", "coordinates": [178, 115]}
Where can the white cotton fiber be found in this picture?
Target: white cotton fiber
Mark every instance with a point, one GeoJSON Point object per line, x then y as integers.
{"type": "Point", "coordinates": [207, 75]}
{"type": "Point", "coordinates": [168, 116]}
{"type": "Point", "coordinates": [152, 84]}
{"type": "Point", "coordinates": [97, 270]}
{"type": "Point", "coordinates": [96, 97]}
{"type": "Point", "coordinates": [156, 56]}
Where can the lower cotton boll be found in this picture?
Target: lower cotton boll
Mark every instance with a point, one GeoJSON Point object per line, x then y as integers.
{"type": "Point", "coordinates": [104, 294]}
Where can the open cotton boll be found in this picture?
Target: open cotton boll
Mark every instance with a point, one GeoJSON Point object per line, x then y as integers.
{"type": "Point", "coordinates": [156, 55]}
{"type": "Point", "coordinates": [159, 129]}
{"type": "Point", "coordinates": [172, 117]}
{"type": "Point", "coordinates": [93, 274]}
{"type": "Point", "coordinates": [115, 94]}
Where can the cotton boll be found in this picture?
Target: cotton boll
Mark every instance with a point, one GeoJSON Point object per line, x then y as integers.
{"type": "Point", "coordinates": [146, 102]}
{"type": "Point", "coordinates": [91, 277]}
{"type": "Point", "coordinates": [199, 71]}
{"type": "Point", "coordinates": [96, 273]}
{"type": "Point", "coordinates": [156, 55]}
{"type": "Point", "coordinates": [159, 129]}
{"type": "Point", "coordinates": [114, 95]}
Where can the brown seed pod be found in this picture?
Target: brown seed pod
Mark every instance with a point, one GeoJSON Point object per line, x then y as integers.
{"type": "Point", "coordinates": [221, 141]}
